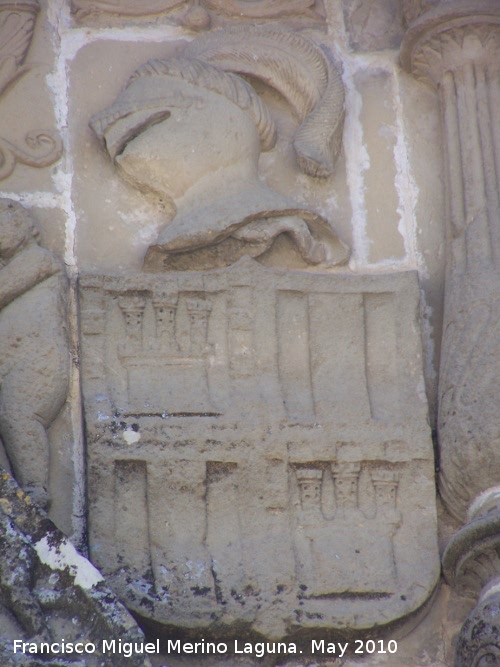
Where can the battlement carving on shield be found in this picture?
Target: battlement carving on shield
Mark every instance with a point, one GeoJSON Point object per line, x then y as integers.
{"type": "Point", "coordinates": [213, 341]}
{"type": "Point", "coordinates": [349, 533]}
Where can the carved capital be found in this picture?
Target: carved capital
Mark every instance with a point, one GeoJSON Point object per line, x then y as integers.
{"type": "Point", "coordinates": [449, 35]}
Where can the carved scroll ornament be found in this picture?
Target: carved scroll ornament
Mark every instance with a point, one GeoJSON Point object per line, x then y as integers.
{"type": "Point", "coordinates": [43, 148]}
{"type": "Point", "coordinates": [17, 23]}
{"type": "Point", "coordinates": [199, 12]}
{"type": "Point", "coordinates": [207, 170]}
{"type": "Point", "coordinates": [125, 7]}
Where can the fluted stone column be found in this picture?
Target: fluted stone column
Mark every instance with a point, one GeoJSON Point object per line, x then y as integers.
{"type": "Point", "coordinates": [455, 46]}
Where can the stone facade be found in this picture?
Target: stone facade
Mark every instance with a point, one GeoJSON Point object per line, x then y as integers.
{"type": "Point", "coordinates": [249, 326]}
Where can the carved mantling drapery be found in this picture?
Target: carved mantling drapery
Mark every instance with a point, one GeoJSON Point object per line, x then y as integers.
{"type": "Point", "coordinates": [456, 47]}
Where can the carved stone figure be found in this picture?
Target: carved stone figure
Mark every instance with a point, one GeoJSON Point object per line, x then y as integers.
{"type": "Point", "coordinates": [34, 356]}
{"type": "Point", "coordinates": [161, 134]}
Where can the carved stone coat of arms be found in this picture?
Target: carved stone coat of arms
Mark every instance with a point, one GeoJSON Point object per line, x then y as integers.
{"type": "Point", "coordinates": [258, 447]}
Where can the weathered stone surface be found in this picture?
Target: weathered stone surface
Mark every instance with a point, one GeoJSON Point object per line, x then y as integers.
{"type": "Point", "coordinates": [34, 354]}
{"type": "Point", "coordinates": [373, 24]}
{"type": "Point", "coordinates": [378, 119]}
{"type": "Point", "coordinates": [248, 442]}
{"type": "Point", "coordinates": [49, 592]}
{"type": "Point", "coordinates": [420, 109]}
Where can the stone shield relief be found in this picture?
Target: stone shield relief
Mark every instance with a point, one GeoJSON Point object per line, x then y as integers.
{"type": "Point", "coordinates": [252, 454]}
{"type": "Point", "coordinates": [258, 448]}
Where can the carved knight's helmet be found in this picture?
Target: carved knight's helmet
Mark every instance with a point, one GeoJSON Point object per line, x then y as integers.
{"type": "Point", "coordinates": [191, 131]}
{"type": "Point", "coordinates": [179, 120]}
